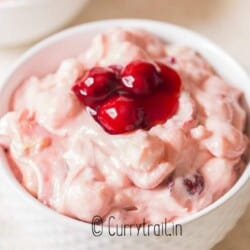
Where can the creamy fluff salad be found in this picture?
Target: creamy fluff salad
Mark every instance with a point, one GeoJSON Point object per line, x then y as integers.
{"type": "Point", "coordinates": [134, 127]}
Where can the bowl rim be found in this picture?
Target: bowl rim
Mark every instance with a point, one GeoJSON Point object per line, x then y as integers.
{"type": "Point", "coordinates": [11, 4]}
{"type": "Point", "coordinates": [243, 180]}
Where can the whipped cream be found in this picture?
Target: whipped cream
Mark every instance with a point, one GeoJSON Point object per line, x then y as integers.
{"type": "Point", "coordinates": [63, 157]}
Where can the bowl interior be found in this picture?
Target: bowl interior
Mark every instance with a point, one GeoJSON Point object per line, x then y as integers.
{"type": "Point", "coordinates": [46, 56]}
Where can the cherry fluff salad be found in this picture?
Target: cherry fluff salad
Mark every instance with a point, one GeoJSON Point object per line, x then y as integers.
{"type": "Point", "coordinates": [134, 127]}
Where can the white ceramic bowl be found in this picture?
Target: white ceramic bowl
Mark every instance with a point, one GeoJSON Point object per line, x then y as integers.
{"type": "Point", "coordinates": [53, 231]}
{"type": "Point", "coordinates": [24, 21]}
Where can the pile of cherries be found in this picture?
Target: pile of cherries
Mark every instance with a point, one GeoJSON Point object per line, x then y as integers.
{"type": "Point", "coordinates": [140, 95]}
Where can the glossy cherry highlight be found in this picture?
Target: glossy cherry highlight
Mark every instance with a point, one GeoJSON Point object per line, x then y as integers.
{"type": "Point", "coordinates": [120, 114]}
{"type": "Point", "coordinates": [140, 77]}
{"type": "Point", "coordinates": [95, 86]}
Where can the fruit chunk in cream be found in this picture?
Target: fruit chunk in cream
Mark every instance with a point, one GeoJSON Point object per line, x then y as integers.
{"type": "Point", "coordinates": [62, 156]}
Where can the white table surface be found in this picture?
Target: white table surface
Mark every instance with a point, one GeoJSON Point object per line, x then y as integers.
{"type": "Point", "coordinates": [227, 22]}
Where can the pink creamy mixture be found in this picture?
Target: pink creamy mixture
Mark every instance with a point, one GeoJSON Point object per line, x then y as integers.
{"type": "Point", "coordinates": [62, 156]}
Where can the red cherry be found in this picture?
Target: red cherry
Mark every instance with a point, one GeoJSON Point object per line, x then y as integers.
{"type": "Point", "coordinates": [171, 79]}
{"type": "Point", "coordinates": [158, 107]}
{"type": "Point", "coordinates": [194, 184]}
{"type": "Point", "coordinates": [140, 77]}
{"type": "Point", "coordinates": [119, 115]}
{"type": "Point", "coordinates": [95, 86]}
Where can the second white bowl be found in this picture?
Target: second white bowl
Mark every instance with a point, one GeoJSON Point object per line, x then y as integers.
{"type": "Point", "coordinates": [24, 21]}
